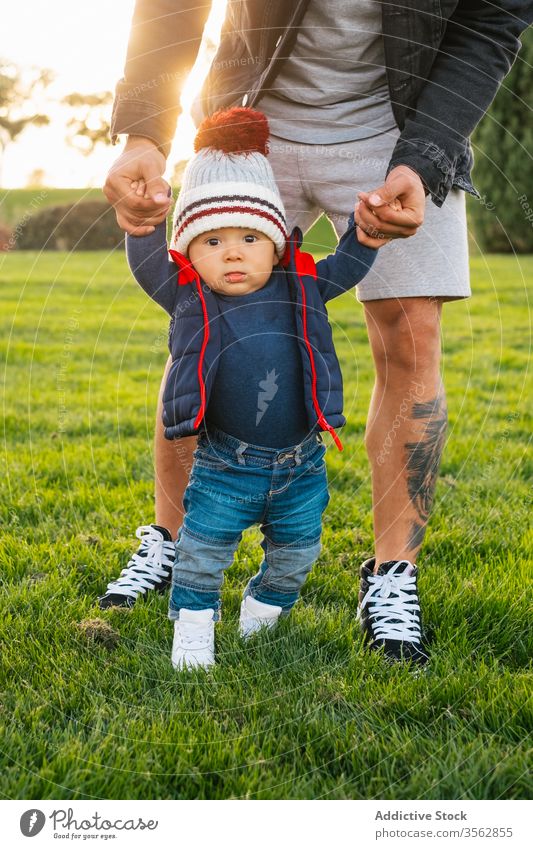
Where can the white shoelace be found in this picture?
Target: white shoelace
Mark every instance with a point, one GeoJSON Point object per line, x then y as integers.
{"type": "Point", "coordinates": [154, 563]}
{"type": "Point", "coordinates": [394, 606]}
{"type": "Point", "coordinates": [193, 636]}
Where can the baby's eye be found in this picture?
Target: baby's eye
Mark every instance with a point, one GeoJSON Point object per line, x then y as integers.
{"type": "Point", "coordinates": [213, 242]}
{"type": "Point", "coordinates": [250, 238]}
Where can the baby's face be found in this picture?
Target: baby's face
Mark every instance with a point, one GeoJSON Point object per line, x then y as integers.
{"type": "Point", "coordinates": [233, 260]}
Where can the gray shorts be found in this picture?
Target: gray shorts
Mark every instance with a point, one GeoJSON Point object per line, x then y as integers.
{"type": "Point", "coordinates": [326, 178]}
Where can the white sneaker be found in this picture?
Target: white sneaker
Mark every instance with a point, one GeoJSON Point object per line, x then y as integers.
{"type": "Point", "coordinates": [194, 639]}
{"type": "Point", "coordinates": [256, 615]}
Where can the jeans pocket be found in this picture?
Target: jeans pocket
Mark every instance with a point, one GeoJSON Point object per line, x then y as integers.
{"type": "Point", "coordinates": [205, 459]}
{"type": "Point", "coordinates": [316, 464]}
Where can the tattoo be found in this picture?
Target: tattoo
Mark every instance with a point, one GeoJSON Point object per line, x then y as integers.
{"type": "Point", "coordinates": [423, 461]}
{"type": "Point", "coordinates": [416, 537]}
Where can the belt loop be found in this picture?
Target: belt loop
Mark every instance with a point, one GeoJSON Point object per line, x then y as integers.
{"type": "Point", "coordinates": [297, 455]}
{"type": "Point", "coordinates": [240, 451]}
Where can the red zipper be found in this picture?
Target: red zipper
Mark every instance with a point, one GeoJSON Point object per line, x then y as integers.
{"type": "Point", "coordinates": [191, 276]}
{"type": "Point", "coordinates": [201, 411]}
{"type": "Point", "coordinates": [308, 266]}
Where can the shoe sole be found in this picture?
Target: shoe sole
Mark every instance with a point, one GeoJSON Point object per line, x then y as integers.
{"type": "Point", "coordinates": [184, 667]}
{"type": "Point", "coordinates": [125, 606]}
{"type": "Point", "coordinates": [389, 658]}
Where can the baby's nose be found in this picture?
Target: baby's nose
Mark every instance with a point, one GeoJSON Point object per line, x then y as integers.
{"type": "Point", "coordinates": [232, 251]}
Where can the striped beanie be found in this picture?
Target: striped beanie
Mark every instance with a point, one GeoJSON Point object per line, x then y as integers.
{"type": "Point", "coordinates": [229, 182]}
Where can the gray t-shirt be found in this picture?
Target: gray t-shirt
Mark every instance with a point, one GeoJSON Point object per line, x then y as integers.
{"type": "Point", "coordinates": [333, 86]}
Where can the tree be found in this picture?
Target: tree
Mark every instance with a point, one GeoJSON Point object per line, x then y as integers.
{"type": "Point", "coordinates": [503, 173]}
{"type": "Point", "coordinates": [36, 179]}
{"type": "Point", "coordinates": [16, 93]}
{"type": "Point", "coordinates": [89, 126]}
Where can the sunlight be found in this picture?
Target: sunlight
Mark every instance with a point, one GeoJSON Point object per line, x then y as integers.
{"type": "Point", "coordinates": [185, 132]}
{"type": "Point", "coordinates": [85, 47]}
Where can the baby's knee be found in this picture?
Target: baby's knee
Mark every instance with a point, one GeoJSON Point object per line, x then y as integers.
{"type": "Point", "coordinates": [289, 564]}
{"type": "Point", "coordinates": [201, 562]}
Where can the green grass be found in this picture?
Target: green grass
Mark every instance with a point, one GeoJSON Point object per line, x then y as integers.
{"type": "Point", "coordinates": [304, 712]}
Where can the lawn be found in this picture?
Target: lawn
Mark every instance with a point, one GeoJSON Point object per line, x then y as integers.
{"type": "Point", "coordinates": [304, 712]}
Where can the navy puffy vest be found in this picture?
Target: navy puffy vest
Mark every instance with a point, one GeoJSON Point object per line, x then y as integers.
{"type": "Point", "coordinates": [194, 343]}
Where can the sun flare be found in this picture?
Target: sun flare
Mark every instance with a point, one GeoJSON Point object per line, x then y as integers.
{"type": "Point", "coordinates": [88, 64]}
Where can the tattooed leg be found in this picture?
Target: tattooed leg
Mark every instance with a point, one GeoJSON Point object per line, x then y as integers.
{"type": "Point", "coordinates": [423, 463]}
{"type": "Point", "coordinates": [407, 422]}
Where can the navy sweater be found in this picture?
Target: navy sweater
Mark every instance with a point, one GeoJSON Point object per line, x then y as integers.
{"type": "Point", "coordinates": [258, 393]}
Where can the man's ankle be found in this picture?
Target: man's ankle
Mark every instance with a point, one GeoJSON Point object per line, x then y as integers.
{"type": "Point", "coordinates": [169, 526]}
{"type": "Point", "coordinates": [387, 557]}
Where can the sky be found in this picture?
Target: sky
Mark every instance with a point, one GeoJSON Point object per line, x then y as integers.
{"type": "Point", "coordinates": [84, 44]}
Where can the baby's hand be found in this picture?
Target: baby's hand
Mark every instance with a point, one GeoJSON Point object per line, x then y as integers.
{"type": "Point", "coordinates": [139, 188]}
{"type": "Point", "coordinates": [379, 241]}
{"type": "Point", "coordinates": [141, 158]}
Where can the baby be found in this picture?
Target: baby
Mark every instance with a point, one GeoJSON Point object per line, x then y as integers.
{"type": "Point", "coordinates": [254, 373]}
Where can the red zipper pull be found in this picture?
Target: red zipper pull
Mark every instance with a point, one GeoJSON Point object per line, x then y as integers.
{"type": "Point", "coordinates": [324, 424]}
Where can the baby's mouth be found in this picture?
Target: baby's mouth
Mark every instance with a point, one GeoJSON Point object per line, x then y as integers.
{"type": "Point", "coordinates": [234, 276]}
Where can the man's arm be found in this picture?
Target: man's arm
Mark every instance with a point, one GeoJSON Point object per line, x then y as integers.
{"type": "Point", "coordinates": [151, 267]}
{"type": "Point", "coordinates": [163, 45]}
{"type": "Point", "coordinates": [164, 41]}
{"type": "Point", "coordinates": [478, 49]}
{"type": "Point", "coordinates": [345, 268]}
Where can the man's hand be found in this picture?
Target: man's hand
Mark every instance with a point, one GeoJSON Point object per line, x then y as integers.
{"type": "Point", "coordinates": [393, 211]}
{"type": "Point", "coordinates": [138, 211]}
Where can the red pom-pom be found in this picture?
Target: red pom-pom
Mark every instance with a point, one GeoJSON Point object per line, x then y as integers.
{"type": "Point", "coordinates": [236, 130]}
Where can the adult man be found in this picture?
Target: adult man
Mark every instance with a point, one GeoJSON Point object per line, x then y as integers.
{"type": "Point", "coordinates": [374, 97]}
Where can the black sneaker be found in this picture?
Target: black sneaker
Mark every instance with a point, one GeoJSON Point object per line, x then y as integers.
{"type": "Point", "coordinates": [150, 568]}
{"type": "Point", "coordinates": [389, 610]}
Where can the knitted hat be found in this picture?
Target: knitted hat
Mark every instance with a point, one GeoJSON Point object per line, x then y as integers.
{"type": "Point", "coordinates": [229, 182]}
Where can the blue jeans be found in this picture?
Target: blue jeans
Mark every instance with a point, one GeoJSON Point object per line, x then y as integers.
{"type": "Point", "coordinates": [232, 486]}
